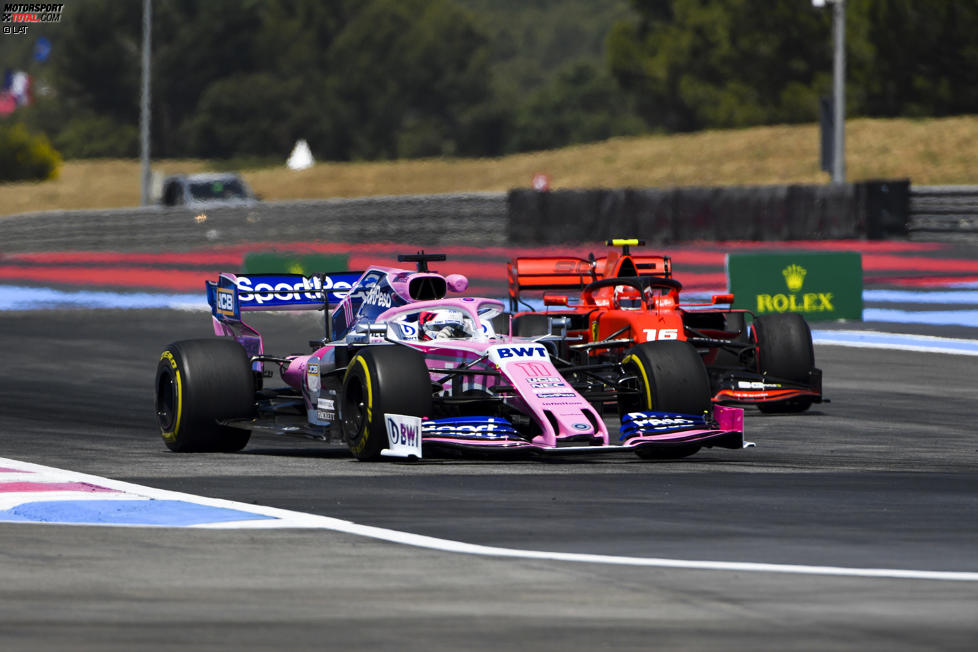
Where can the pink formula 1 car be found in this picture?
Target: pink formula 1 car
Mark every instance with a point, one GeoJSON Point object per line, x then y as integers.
{"type": "Point", "coordinates": [406, 370]}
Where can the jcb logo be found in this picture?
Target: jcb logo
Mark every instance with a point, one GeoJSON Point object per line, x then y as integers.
{"type": "Point", "coordinates": [225, 301]}
{"type": "Point", "coordinates": [652, 334]}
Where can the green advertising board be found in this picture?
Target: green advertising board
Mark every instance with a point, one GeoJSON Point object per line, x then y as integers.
{"type": "Point", "coordinates": [282, 263]}
{"type": "Point", "coordinates": [819, 286]}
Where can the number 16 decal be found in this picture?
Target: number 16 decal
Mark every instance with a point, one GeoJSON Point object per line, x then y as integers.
{"type": "Point", "coordinates": [661, 334]}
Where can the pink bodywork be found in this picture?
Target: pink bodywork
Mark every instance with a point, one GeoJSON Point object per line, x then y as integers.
{"type": "Point", "coordinates": [571, 415]}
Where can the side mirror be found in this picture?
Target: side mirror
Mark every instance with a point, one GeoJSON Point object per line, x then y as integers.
{"type": "Point", "coordinates": [457, 282]}
{"type": "Point", "coordinates": [559, 322]}
{"type": "Point", "coordinates": [723, 298]}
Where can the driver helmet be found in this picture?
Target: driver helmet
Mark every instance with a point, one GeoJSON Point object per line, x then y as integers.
{"type": "Point", "coordinates": [627, 297]}
{"type": "Point", "coordinates": [441, 324]}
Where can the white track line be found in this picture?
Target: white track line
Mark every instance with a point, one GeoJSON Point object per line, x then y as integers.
{"type": "Point", "coordinates": [289, 519]}
{"type": "Point", "coordinates": [895, 341]}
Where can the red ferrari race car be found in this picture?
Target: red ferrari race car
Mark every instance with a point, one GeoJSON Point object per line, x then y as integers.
{"type": "Point", "coordinates": [623, 299]}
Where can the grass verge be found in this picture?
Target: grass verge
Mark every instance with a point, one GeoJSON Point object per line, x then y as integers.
{"type": "Point", "coordinates": [926, 151]}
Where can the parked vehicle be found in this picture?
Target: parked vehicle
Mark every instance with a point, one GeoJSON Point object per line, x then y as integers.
{"type": "Point", "coordinates": [209, 190]}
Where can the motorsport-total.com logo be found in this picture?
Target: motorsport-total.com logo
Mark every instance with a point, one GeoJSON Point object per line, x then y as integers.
{"type": "Point", "coordinates": [17, 16]}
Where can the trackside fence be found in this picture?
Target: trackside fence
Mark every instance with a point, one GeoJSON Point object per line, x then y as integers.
{"type": "Point", "coordinates": [943, 212]}
{"type": "Point", "coordinates": [870, 210]}
{"type": "Point", "coordinates": [874, 210]}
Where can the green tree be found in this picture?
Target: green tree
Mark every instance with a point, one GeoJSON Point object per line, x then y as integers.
{"type": "Point", "coordinates": [912, 58]}
{"type": "Point", "coordinates": [97, 136]}
{"type": "Point", "coordinates": [410, 73]}
{"type": "Point", "coordinates": [582, 104]}
{"type": "Point", "coordinates": [196, 44]}
{"type": "Point", "coordinates": [96, 65]}
{"type": "Point", "coordinates": [88, 99]}
{"type": "Point", "coordinates": [26, 156]}
{"type": "Point", "coordinates": [692, 64]}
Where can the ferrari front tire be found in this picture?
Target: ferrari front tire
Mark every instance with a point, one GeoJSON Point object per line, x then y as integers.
{"type": "Point", "coordinates": [670, 377]}
{"type": "Point", "coordinates": [199, 382]}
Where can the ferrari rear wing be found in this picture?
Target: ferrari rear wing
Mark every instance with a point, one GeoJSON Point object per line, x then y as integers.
{"type": "Point", "coordinates": [569, 273]}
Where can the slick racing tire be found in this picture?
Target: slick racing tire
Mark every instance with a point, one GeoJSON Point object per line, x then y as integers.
{"type": "Point", "coordinates": [380, 380]}
{"type": "Point", "coordinates": [785, 351]}
{"type": "Point", "coordinates": [197, 383]}
{"type": "Point", "coordinates": [670, 377]}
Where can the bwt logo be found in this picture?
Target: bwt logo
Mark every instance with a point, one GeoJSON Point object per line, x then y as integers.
{"type": "Point", "coordinates": [522, 352]}
{"type": "Point", "coordinates": [402, 434]}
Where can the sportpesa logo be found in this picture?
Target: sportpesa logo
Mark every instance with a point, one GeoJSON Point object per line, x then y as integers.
{"type": "Point", "coordinates": [288, 289]}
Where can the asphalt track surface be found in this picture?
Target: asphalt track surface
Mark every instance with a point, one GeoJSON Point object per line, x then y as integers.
{"type": "Point", "coordinates": [884, 476]}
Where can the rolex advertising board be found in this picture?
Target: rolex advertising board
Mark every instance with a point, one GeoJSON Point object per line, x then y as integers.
{"type": "Point", "coordinates": [819, 286]}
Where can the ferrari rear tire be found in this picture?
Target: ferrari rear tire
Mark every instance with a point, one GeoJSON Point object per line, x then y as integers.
{"type": "Point", "coordinates": [785, 351]}
{"type": "Point", "coordinates": [381, 380]}
{"type": "Point", "coordinates": [199, 382]}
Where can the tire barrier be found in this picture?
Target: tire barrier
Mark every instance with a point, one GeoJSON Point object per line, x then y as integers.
{"type": "Point", "coordinates": [947, 213]}
{"type": "Point", "coordinates": [873, 210]}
